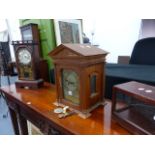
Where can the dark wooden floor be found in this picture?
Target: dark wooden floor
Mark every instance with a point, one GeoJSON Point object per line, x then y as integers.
{"type": "Point", "coordinates": [5, 121]}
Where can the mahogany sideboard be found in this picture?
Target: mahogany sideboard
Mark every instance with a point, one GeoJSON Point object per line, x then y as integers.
{"type": "Point", "coordinates": [37, 107]}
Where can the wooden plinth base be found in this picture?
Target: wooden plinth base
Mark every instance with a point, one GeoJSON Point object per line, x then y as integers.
{"type": "Point", "coordinates": [84, 114]}
{"type": "Point", "coordinates": [29, 84]}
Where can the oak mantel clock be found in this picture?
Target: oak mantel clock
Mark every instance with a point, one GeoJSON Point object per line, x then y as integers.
{"type": "Point", "coordinates": [27, 60]}
{"type": "Point", "coordinates": [79, 72]}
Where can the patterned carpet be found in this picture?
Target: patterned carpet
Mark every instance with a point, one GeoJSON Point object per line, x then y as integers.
{"type": "Point", "coordinates": [5, 121]}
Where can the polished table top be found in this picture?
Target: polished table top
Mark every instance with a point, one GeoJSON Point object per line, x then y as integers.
{"type": "Point", "coordinates": [42, 99]}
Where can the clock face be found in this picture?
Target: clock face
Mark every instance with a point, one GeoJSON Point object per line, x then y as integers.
{"type": "Point", "coordinates": [24, 56]}
{"type": "Point", "coordinates": [70, 86]}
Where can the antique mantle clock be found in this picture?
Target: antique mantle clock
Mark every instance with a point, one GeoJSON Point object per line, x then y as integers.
{"type": "Point", "coordinates": [27, 60]}
{"type": "Point", "coordinates": [79, 73]}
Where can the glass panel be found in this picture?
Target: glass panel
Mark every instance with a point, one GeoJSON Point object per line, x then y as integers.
{"type": "Point", "coordinates": [70, 86]}
{"type": "Point", "coordinates": [93, 84]}
{"type": "Point", "coordinates": [27, 34]}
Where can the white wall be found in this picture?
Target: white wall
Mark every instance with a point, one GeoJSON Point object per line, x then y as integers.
{"type": "Point", "coordinates": [12, 27]}
{"type": "Point", "coordinates": [116, 36]}
{"type": "Point", "coordinates": [14, 33]}
{"type": "Point", "coordinates": [147, 28]}
{"type": "Point", "coordinates": [3, 26]}
{"type": "Point", "coordinates": [3, 31]}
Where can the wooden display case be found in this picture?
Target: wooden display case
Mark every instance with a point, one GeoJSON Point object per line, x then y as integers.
{"type": "Point", "coordinates": [133, 107]}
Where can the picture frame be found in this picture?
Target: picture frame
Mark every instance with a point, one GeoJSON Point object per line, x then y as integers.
{"type": "Point", "coordinates": [68, 31]}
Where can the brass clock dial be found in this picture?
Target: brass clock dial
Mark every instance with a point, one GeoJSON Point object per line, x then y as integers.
{"type": "Point", "coordinates": [24, 56]}
{"type": "Point", "coordinates": [70, 84]}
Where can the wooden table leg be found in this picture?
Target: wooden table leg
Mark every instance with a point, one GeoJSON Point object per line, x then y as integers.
{"type": "Point", "coordinates": [23, 125]}
{"type": "Point", "coordinates": [14, 121]}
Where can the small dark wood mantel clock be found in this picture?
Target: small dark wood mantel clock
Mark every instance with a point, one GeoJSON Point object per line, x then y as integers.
{"type": "Point", "coordinates": [27, 60]}
{"type": "Point", "coordinates": [31, 32]}
{"type": "Point", "coordinates": [79, 72]}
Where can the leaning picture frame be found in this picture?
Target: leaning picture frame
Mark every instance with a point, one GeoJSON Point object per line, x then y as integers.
{"type": "Point", "coordinates": [68, 31]}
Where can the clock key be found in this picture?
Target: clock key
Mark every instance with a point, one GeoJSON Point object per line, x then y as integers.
{"type": "Point", "coordinates": [63, 115]}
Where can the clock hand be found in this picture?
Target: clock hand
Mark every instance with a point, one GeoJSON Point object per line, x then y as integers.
{"type": "Point", "coordinates": [69, 82]}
